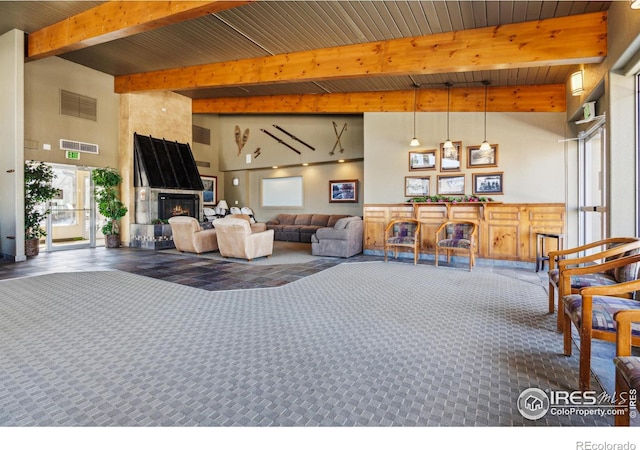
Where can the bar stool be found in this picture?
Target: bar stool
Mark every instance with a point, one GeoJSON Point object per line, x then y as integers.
{"type": "Point", "coordinates": [541, 256]}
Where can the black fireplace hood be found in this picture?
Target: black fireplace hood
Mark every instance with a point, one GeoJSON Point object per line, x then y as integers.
{"type": "Point", "coordinates": [159, 163]}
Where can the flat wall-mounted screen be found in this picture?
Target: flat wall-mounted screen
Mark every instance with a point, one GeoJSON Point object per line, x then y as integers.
{"type": "Point", "coordinates": [282, 192]}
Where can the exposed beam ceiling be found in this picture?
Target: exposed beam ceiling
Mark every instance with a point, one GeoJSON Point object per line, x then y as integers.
{"type": "Point", "coordinates": [543, 98]}
{"type": "Point", "coordinates": [116, 20]}
{"type": "Point", "coordinates": [539, 43]}
{"type": "Point", "coordinates": [324, 56]}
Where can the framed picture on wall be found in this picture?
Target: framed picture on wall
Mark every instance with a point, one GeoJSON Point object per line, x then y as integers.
{"type": "Point", "coordinates": [450, 184]}
{"type": "Point", "coordinates": [487, 183]}
{"type": "Point", "coordinates": [210, 193]}
{"type": "Point", "coordinates": [343, 191]}
{"type": "Point", "coordinates": [422, 160]}
{"type": "Point", "coordinates": [416, 186]}
{"type": "Point", "coordinates": [450, 158]}
{"type": "Point", "coordinates": [482, 158]}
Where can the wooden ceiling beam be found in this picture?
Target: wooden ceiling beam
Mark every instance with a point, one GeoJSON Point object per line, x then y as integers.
{"type": "Point", "coordinates": [538, 98]}
{"type": "Point", "coordinates": [114, 20]}
{"type": "Point", "coordinates": [565, 40]}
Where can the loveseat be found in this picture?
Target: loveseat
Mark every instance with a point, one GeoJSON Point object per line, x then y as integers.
{"type": "Point", "coordinates": [344, 239]}
{"type": "Point", "coordinates": [300, 227]}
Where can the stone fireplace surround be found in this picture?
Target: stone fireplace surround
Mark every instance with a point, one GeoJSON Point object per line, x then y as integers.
{"type": "Point", "coordinates": [160, 166]}
{"type": "Point", "coordinates": [145, 234]}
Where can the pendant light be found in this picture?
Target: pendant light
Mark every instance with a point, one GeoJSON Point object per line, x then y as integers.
{"type": "Point", "coordinates": [414, 142]}
{"type": "Point", "coordinates": [448, 144]}
{"type": "Point", "coordinates": [485, 145]}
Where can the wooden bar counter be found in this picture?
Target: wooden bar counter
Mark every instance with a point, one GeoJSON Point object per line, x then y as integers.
{"type": "Point", "coordinates": [505, 230]}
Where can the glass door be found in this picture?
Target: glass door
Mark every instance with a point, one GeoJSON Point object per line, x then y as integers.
{"type": "Point", "coordinates": [593, 185]}
{"type": "Point", "coordinates": [72, 222]}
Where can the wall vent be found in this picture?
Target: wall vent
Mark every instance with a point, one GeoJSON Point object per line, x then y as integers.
{"type": "Point", "coordinates": [201, 135]}
{"type": "Point", "coordinates": [66, 144]}
{"type": "Point", "coordinates": [77, 105]}
{"type": "Point", "coordinates": [30, 144]}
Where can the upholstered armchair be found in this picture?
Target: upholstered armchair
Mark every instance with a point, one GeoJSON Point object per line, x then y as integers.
{"type": "Point", "coordinates": [592, 312]}
{"type": "Point", "coordinates": [402, 234]}
{"type": "Point", "coordinates": [188, 235]}
{"type": "Point", "coordinates": [569, 272]}
{"type": "Point", "coordinates": [627, 366]}
{"type": "Point", "coordinates": [236, 240]}
{"type": "Point", "coordinates": [255, 226]}
{"type": "Point", "coordinates": [459, 237]}
{"type": "Point", "coordinates": [344, 239]}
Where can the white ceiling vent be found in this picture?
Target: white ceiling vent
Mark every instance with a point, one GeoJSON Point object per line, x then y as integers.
{"type": "Point", "coordinates": [66, 144]}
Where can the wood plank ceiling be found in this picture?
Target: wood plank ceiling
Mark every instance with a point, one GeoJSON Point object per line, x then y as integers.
{"type": "Point", "coordinates": [235, 34]}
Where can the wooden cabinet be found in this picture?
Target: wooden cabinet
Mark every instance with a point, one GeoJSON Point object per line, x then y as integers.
{"type": "Point", "coordinates": [505, 230]}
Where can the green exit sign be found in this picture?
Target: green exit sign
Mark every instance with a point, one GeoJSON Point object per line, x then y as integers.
{"type": "Point", "coordinates": [72, 155]}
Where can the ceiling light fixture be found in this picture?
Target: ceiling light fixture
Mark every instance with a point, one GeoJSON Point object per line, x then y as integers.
{"type": "Point", "coordinates": [414, 142]}
{"type": "Point", "coordinates": [448, 144]}
{"type": "Point", "coordinates": [485, 145]}
{"type": "Point", "coordinates": [635, 4]}
{"type": "Point", "coordinates": [577, 86]}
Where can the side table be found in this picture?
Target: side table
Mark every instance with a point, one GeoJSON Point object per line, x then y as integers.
{"type": "Point", "coordinates": [541, 256]}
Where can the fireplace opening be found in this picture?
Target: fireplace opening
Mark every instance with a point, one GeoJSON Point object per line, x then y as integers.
{"type": "Point", "coordinates": [170, 205]}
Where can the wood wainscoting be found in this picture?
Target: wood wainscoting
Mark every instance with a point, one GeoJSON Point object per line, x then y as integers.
{"type": "Point", "coordinates": [505, 230]}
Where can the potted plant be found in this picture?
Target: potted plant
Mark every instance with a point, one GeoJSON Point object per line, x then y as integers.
{"type": "Point", "coordinates": [107, 182]}
{"type": "Point", "coordinates": [38, 190]}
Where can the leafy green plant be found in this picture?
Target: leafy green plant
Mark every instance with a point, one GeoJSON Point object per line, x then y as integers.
{"type": "Point", "coordinates": [450, 199]}
{"type": "Point", "coordinates": [38, 189]}
{"type": "Point", "coordinates": [107, 182]}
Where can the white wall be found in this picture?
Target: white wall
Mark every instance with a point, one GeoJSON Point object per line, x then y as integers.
{"type": "Point", "coordinates": [209, 153]}
{"type": "Point", "coordinates": [621, 108]}
{"type": "Point", "coordinates": [315, 187]}
{"type": "Point", "coordinates": [45, 125]}
{"type": "Point", "coordinates": [529, 154]}
{"type": "Point", "coordinates": [11, 152]}
{"type": "Point", "coordinates": [315, 130]}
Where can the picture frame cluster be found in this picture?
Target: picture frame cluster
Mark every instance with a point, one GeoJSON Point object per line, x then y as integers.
{"type": "Point", "coordinates": [449, 161]}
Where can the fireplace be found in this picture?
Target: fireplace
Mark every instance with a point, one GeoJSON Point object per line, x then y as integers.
{"type": "Point", "coordinates": [173, 204]}
{"type": "Point", "coordinates": [167, 184]}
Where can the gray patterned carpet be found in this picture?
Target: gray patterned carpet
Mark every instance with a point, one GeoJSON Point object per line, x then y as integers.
{"type": "Point", "coordinates": [360, 344]}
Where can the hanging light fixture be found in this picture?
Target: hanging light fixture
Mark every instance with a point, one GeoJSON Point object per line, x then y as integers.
{"type": "Point", "coordinates": [414, 142]}
{"type": "Point", "coordinates": [485, 145]}
{"type": "Point", "coordinates": [448, 144]}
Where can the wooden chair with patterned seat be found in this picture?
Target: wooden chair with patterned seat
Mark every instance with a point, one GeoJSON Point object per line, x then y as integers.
{"type": "Point", "coordinates": [592, 313]}
{"type": "Point", "coordinates": [459, 237]}
{"type": "Point", "coordinates": [627, 366]}
{"type": "Point", "coordinates": [402, 234]}
{"type": "Point", "coordinates": [569, 272]}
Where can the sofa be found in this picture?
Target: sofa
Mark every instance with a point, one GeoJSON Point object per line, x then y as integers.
{"type": "Point", "coordinates": [344, 239]}
{"type": "Point", "coordinates": [300, 227]}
